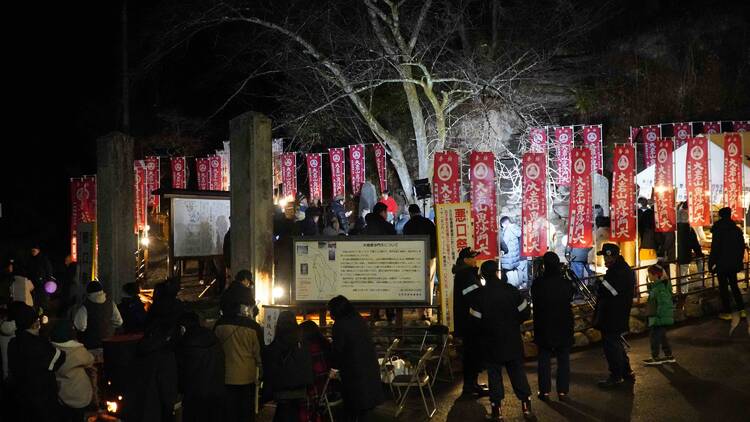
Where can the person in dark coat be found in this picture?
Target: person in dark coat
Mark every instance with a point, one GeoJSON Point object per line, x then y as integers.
{"type": "Point", "coordinates": [377, 223]}
{"type": "Point", "coordinates": [132, 310]}
{"type": "Point", "coordinates": [200, 365]}
{"type": "Point", "coordinates": [646, 225]}
{"type": "Point", "coordinates": [466, 288]}
{"type": "Point", "coordinates": [32, 362]}
{"type": "Point", "coordinates": [553, 325]}
{"type": "Point", "coordinates": [166, 307]}
{"type": "Point", "coordinates": [39, 271]}
{"type": "Point", "coordinates": [309, 226]}
{"type": "Point", "coordinates": [688, 247]}
{"type": "Point", "coordinates": [97, 318]}
{"type": "Point", "coordinates": [339, 212]}
{"type": "Point", "coordinates": [725, 260]}
{"type": "Point", "coordinates": [500, 310]}
{"type": "Point", "coordinates": [419, 224]}
{"type": "Point", "coordinates": [354, 356]}
{"type": "Point", "coordinates": [612, 314]}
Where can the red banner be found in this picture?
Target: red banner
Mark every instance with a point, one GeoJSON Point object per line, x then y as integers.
{"type": "Point", "coordinates": [357, 164]}
{"type": "Point", "coordinates": [215, 178]}
{"type": "Point", "coordinates": [203, 173]}
{"type": "Point", "coordinates": [538, 139]}
{"type": "Point", "coordinates": [698, 188]}
{"type": "Point", "coordinates": [664, 203]}
{"type": "Point", "coordinates": [650, 135]}
{"type": "Point", "coordinates": [289, 174]}
{"type": "Point", "coordinates": [580, 217]}
{"type": "Point", "coordinates": [380, 164]}
{"type": "Point", "coordinates": [710, 128]}
{"type": "Point", "coordinates": [741, 126]}
{"type": "Point", "coordinates": [563, 142]}
{"type": "Point", "coordinates": [733, 175]}
{"type": "Point", "coordinates": [446, 180]}
{"type": "Point", "coordinates": [88, 201]}
{"type": "Point", "coordinates": [153, 181]}
{"type": "Point", "coordinates": [315, 176]}
{"type": "Point", "coordinates": [623, 194]}
{"type": "Point", "coordinates": [592, 138]}
{"type": "Point", "coordinates": [338, 171]}
{"type": "Point", "coordinates": [179, 172]}
{"type": "Point", "coordinates": [682, 131]}
{"type": "Point", "coordinates": [483, 206]}
{"type": "Point", "coordinates": [534, 204]}
{"type": "Point", "coordinates": [139, 169]}
{"type": "Point", "coordinates": [76, 192]}
{"type": "Point", "coordinates": [634, 132]}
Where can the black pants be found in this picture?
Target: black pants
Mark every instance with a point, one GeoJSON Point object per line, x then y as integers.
{"type": "Point", "coordinates": [658, 337]}
{"type": "Point", "coordinates": [517, 380]}
{"type": "Point", "coordinates": [727, 281]}
{"type": "Point", "coordinates": [240, 403]}
{"type": "Point", "coordinates": [70, 414]}
{"type": "Point", "coordinates": [471, 358]}
{"type": "Point", "coordinates": [617, 358]}
{"type": "Point", "coordinates": [562, 380]}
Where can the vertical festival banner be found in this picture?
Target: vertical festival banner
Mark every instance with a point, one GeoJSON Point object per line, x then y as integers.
{"type": "Point", "coordinates": [380, 165]}
{"type": "Point", "coordinates": [538, 139]}
{"type": "Point", "coordinates": [741, 126]}
{"type": "Point", "coordinates": [664, 201]}
{"type": "Point", "coordinates": [289, 174]}
{"type": "Point", "coordinates": [446, 183]}
{"type": "Point", "coordinates": [76, 187]}
{"type": "Point", "coordinates": [733, 175]}
{"type": "Point", "coordinates": [215, 178]}
{"type": "Point", "coordinates": [563, 142]}
{"type": "Point", "coordinates": [153, 181]}
{"type": "Point", "coordinates": [623, 194]}
{"type": "Point", "coordinates": [454, 232]}
{"type": "Point", "coordinates": [711, 128]}
{"type": "Point", "coordinates": [696, 177]}
{"type": "Point", "coordinates": [315, 176]}
{"type": "Point", "coordinates": [139, 169]}
{"type": "Point", "coordinates": [634, 133]}
{"type": "Point", "coordinates": [592, 138]}
{"type": "Point", "coordinates": [179, 172]}
{"type": "Point", "coordinates": [88, 199]}
{"type": "Point", "coordinates": [483, 206]}
{"type": "Point", "coordinates": [650, 135]}
{"type": "Point", "coordinates": [277, 148]}
{"type": "Point", "coordinates": [338, 172]}
{"type": "Point", "coordinates": [534, 204]}
{"type": "Point", "coordinates": [580, 224]}
{"type": "Point", "coordinates": [682, 131]}
{"type": "Point", "coordinates": [203, 173]}
{"type": "Point", "coordinates": [357, 164]}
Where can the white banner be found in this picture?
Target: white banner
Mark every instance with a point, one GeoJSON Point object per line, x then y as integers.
{"type": "Point", "coordinates": [455, 232]}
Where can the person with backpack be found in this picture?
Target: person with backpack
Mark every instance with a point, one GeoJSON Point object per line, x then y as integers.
{"type": "Point", "coordinates": [75, 388]}
{"type": "Point", "coordinates": [660, 315]}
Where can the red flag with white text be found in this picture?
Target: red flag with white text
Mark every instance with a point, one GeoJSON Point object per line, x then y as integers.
{"type": "Point", "coordinates": [88, 204]}
{"type": "Point", "coordinates": [563, 142]}
{"type": "Point", "coordinates": [203, 173]}
{"type": "Point", "coordinates": [357, 167]}
{"type": "Point", "coordinates": [153, 181]}
{"type": "Point", "coordinates": [76, 188]}
{"type": "Point", "coordinates": [698, 187]}
{"type": "Point", "coordinates": [592, 138]}
{"type": "Point", "coordinates": [733, 175]}
{"type": "Point", "coordinates": [580, 217]}
{"type": "Point", "coordinates": [483, 205]}
{"type": "Point", "coordinates": [650, 135]}
{"type": "Point", "coordinates": [140, 208]}
{"type": "Point", "coordinates": [664, 201]}
{"type": "Point", "coordinates": [741, 126]}
{"type": "Point", "coordinates": [338, 171]}
{"type": "Point", "coordinates": [178, 168]}
{"type": "Point", "coordinates": [534, 204]}
{"type": "Point", "coordinates": [215, 178]}
{"type": "Point", "coordinates": [315, 176]}
{"type": "Point", "coordinates": [446, 183]}
{"type": "Point", "coordinates": [289, 174]}
{"type": "Point", "coordinates": [538, 139]}
{"type": "Point", "coordinates": [623, 194]}
{"type": "Point", "coordinates": [381, 166]}
{"type": "Point", "coordinates": [682, 131]}
{"type": "Point", "coordinates": [711, 128]}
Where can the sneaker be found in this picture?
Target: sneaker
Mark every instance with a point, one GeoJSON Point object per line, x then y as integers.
{"type": "Point", "coordinates": [610, 383]}
{"type": "Point", "coordinates": [652, 362]}
{"type": "Point", "coordinates": [526, 408]}
{"type": "Point", "coordinates": [543, 396]}
{"type": "Point", "coordinates": [668, 359]}
{"type": "Point", "coordinates": [725, 316]}
{"type": "Point", "coordinates": [494, 414]}
{"type": "Point", "coordinates": [563, 397]}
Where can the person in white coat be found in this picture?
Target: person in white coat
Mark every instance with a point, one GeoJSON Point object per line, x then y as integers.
{"type": "Point", "coordinates": [75, 390]}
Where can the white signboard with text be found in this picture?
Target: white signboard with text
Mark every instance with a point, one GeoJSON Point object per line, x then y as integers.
{"type": "Point", "coordinates": [455, 232]}
{"type": "Point", "coordinates": [199, 226]}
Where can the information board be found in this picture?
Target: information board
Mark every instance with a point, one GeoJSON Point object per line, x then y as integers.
{"type": "Point", "coordinates": [371, 269]}
{"type": "Point", "coordinates": [199, 226]}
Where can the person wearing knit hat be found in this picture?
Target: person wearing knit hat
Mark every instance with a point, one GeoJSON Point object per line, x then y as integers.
{"type": "Point", "coordinates": [75, 389]}
{"type": "Point", "coordinates": [97, 318]}
{"type": "Point", "coordinates": [32, 362]}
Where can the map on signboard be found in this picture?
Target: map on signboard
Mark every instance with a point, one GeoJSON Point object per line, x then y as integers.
{"type": "Point", "coordinates": [199, 226]}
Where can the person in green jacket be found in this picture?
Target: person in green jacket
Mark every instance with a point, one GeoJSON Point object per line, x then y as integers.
{"type": "Point", "coordinates": [660, 315]}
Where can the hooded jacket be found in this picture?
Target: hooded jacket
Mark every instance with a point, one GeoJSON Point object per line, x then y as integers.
{"type": "Point", "coordinates": [200, 363]}
{"type": "Point", "coordinates": [74, 384]}
{"type": "Point", "coordinates": [660, 298]}
{"type": "Point", "coordinates": [96, 319]}
{"type": "Point", "coordinates": [241, 349]}
{"type": "Point", "coordinates": [727, 247]}
{"type": "Point", "coordinates": [466, 288]}
{"type": "Point", "coordinates": [510, 237]}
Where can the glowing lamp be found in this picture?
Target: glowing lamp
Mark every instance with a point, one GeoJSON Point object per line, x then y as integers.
{"type": "Point", "coordinates": [50, 287]}
{"type": "Point", "coordinates": [112, 406]}
{"type": "Point", "coordinates": [145, 241]}
{"type": "Point", "coordinates": [278, 292]}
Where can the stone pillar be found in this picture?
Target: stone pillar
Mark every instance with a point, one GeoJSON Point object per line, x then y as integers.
{"type": "Point", "coordinates": [114, 212]}
{"type": "Point", "coordinates": [251, 183]}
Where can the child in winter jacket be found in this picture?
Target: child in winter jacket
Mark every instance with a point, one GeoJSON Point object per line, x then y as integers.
{"type": "Point", "coordinates": [660, 315]}
{"type": "Point", "coordinates": [75, 389]}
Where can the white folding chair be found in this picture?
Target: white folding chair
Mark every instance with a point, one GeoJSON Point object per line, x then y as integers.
{"type": "Point", "coordinates": [419, 379]}
{"type": "Point", "coordinates": [441, 333]}
{"type": "Point", "coordinates": [386, 369]}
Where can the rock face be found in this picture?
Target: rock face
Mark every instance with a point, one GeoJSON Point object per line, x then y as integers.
{"type": "Point", "coordinates": [580, 340]}
{"type": "Point", "coordinates": [637, 326]}
{"type": "Point", "coordinates": [580, 324]}
{"type": "Point", "coordinates": [693, 310]}
{"type": "Point", "coordinates": [593, 335]}
{"type": "Point", "coordinates": [530, 350]}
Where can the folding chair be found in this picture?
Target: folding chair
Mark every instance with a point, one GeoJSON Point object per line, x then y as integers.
{"type": "Point", "coordinates": [386, 367]}
{"type": "Point", "coordinates": [325, 402]}
{"type": "Point", "coordinates": [441, 332]}
{"type": "Point", "coordinates": [420, 379]}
